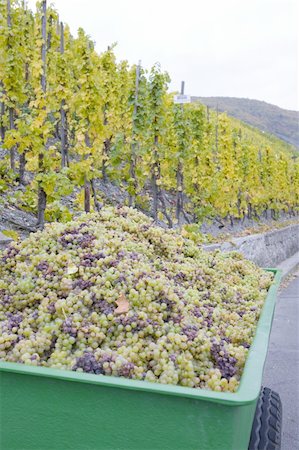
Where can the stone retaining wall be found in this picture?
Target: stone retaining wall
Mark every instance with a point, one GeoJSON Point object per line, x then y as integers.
{"type": "Point", "coordinates": [265, 249]}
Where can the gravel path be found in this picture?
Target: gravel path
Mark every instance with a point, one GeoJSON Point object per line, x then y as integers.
{"type": "Point", "coordinates": [282, 364]}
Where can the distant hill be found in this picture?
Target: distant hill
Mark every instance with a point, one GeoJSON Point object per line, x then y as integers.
{"type": "Point", "coordinates": [269, 118]}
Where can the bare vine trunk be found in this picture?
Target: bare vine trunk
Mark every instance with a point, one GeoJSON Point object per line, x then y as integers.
{"type": "Point", "coordinates": [164, 209]}
{"type": "Point", "coordinates": [155, 175]}
{"type": "Point", "coordinates": [133, 175]}
{"type": "Point", "coordinates": [2, 114]}
{"type": "Point", "coordinates": [86, 195]}
{"type": "Point", "coordinates": [97, 205]}
{"type": "Point", "coordinates": [22, 167]}
{"type": "Point", "coordinates": [41, 197]}
{"type": "Point", "coordinates": [106, 151]}
{"type": "Point", "coordinates": [180, 197]}
{"type": "Point", "coordinates": [87, 183]}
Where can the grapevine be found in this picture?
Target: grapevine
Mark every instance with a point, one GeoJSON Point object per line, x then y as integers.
{"type": "Point", "coordinates": [70, 116]}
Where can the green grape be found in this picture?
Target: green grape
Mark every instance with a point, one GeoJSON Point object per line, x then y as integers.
{"type": "Point", "coordinates": [129, 299]}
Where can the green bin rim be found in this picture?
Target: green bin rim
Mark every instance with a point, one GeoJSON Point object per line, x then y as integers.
{"type": "Point", "coordinates": [247, 392]}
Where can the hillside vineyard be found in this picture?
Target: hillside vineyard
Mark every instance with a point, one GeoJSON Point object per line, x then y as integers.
{"type": "Point", "coordinates": [71, 116]}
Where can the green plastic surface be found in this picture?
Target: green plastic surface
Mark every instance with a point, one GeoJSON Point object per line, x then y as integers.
{"type": "Point", "coordinates": [43, 408]}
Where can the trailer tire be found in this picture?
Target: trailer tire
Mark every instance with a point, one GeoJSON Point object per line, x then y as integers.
{"type": "Point", "coordinates": [266, 428]}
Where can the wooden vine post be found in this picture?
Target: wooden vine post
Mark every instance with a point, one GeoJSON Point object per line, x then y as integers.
{"type": "Point", "coordinates": [180, 176]}
{"type": "Point", "coordinates": [132, 170]}
{"type": "Point", "coordinates": [42, 197]}
{"type": "Point", "coordinates": [183, 144]}
{"type": "Point", "coordinates": [10, 109]}
{"type": "Point", "coordinates": [63, 118]}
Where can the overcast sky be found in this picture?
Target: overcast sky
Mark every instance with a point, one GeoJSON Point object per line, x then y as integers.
{"type": "Point", "coordinates": [235, 48]}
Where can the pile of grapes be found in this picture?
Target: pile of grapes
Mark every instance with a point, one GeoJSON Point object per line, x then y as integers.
{"type": "Point", "coordinates": [113, 294]}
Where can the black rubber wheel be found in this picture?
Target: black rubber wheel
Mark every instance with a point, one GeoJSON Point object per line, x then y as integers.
{"type": "Point", "coordinates": [266, 428]}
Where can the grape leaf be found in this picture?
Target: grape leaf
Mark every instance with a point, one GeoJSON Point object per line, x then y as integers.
{"type": "Point", "coordinates": [72, 269]}
{"type": "Point", "coordinates": [122, 305]}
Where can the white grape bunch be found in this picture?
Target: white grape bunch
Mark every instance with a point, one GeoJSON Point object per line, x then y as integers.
{"type": "Point", "coordinates": [112, 294]}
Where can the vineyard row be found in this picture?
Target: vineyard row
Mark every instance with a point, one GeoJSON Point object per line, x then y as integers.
{"type": "Point", "coordinates": [69, 116]}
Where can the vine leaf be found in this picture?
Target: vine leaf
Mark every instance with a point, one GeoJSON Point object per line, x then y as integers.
{"type": "Point", "coordinates": [72, 269]}
{"type": "Point", "coordinates": [122, 305]}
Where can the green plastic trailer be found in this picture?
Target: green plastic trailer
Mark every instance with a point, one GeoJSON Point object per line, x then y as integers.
{"type": "Point", "coordinates": [43, 408]}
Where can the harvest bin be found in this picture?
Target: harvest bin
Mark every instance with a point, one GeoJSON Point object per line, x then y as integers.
{"type": "Point", "coordinates": [43, 408]}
